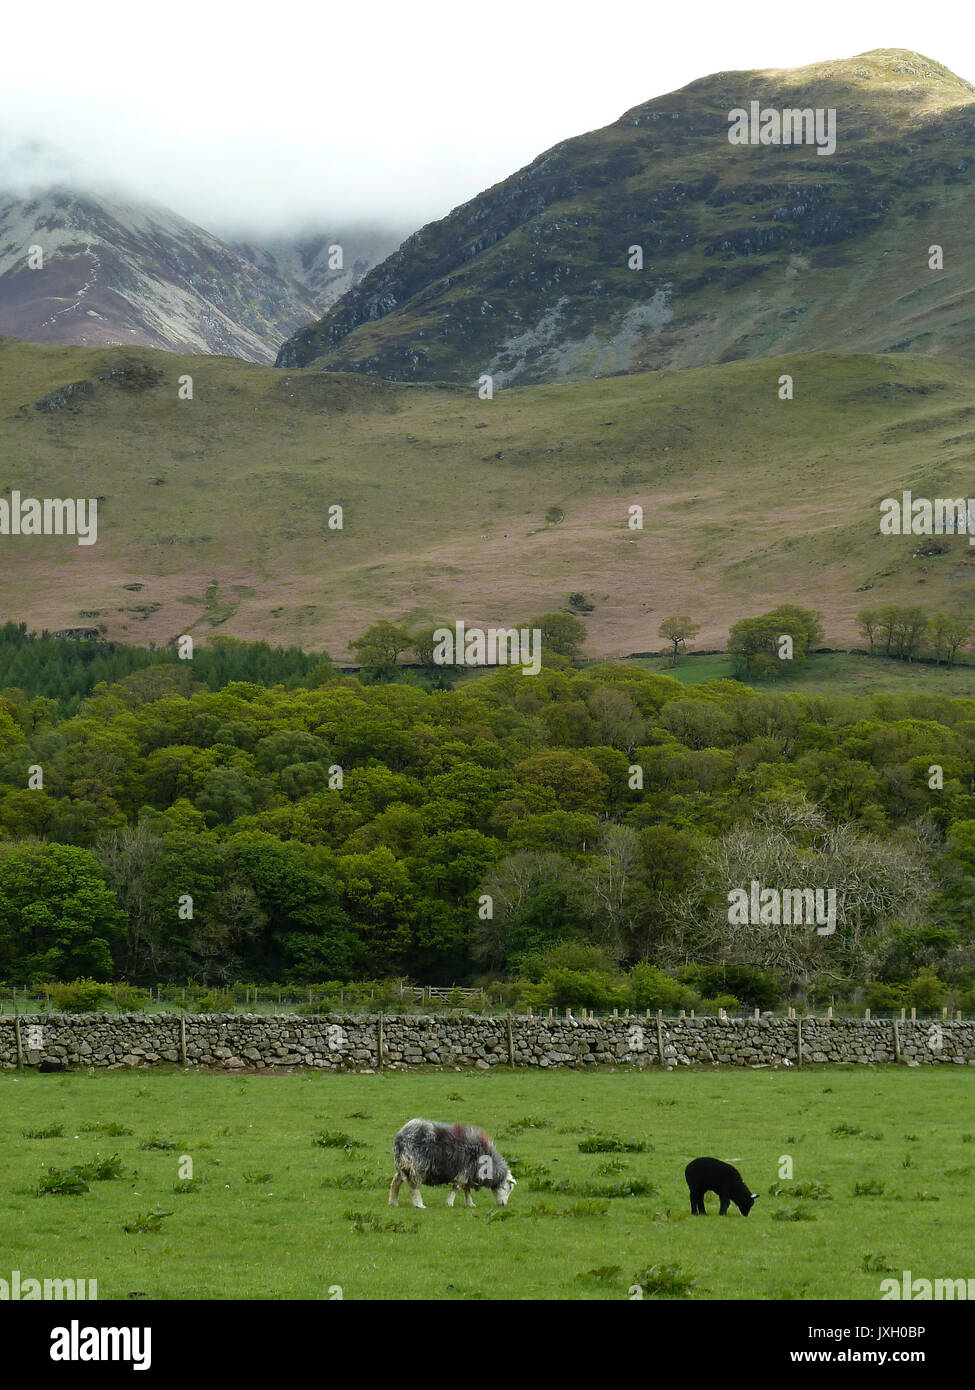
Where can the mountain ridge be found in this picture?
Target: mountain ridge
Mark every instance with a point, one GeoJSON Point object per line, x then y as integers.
{"type": "Point", "coordinates": [122, 271]}
{"type": "Point", "coordinates": [529, 281]}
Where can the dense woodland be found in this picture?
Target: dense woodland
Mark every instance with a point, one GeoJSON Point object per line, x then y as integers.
{"type": "Point", "coordinates": [181, 824]}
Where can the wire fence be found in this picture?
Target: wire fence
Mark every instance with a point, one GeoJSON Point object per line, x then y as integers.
{"type": "Point", "coordinates": [397, 997]}
{"type": "Point", "coordinates": [246, 998]}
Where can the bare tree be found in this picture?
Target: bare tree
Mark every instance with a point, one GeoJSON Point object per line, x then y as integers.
{"type": "Point", "coordinates": [612, 902]}
{"type": "Point", "coordinates": [875, 881]}
{"type": "Point", "coordinates": [127, 857]}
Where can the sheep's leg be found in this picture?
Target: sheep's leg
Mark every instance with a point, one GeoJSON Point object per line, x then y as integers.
{"type": "Point", "coordinates": [468, 1199]}
{"type": "Point", "coordinates": [723, 1211]}
{"type": "Point", "coordinates": [451, 1195]}
{"type": "Point", "coordinates": [416, 1196]}
{"type": "Point", "coordinates": [394, 1188]}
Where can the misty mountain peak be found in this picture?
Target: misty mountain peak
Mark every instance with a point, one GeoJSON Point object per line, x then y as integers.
{"type": "Point", "coordinates": [94, 269]}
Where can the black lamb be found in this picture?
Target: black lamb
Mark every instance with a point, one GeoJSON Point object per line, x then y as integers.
{"type": "Point", "coordinates": [711, 1175]}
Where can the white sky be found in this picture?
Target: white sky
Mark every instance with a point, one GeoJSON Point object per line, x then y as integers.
{"type": "Point", "coordinates": [273, 116]}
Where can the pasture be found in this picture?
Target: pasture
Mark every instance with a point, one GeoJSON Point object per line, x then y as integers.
{"type": "Point", "coordinates": [270, 1213]}
{"type": "Point", "coordinates": [828, 673]}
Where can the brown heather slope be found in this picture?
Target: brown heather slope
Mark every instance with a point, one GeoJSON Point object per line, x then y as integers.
{"type": "Point", "coordinates": [217, 508]}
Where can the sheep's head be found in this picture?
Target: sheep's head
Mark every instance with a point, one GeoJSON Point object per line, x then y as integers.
{"type": "Point", "coordinates": [503, 1191]}
{"type": "Point", "coordinates": [494, 1173]}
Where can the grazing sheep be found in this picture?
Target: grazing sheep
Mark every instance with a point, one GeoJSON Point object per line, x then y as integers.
{"type": "Point", "coordinates": [458, 1155]}
{"type": "Point", "coordinates": [49, 1065]}
{"type": "Point", "coordinates": [711, 1175]}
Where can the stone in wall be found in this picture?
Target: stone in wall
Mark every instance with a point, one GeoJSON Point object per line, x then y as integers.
{"type": "Point", "coordinates": [350, 1042]}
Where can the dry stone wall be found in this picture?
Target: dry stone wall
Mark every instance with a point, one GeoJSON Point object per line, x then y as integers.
{"type": "Point", "coordinates": [352, 1042]}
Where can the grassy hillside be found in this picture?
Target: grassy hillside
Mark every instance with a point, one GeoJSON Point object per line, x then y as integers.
{"type": "Point", "coordinates": [748, 250]}
{"type": "Point", "coordinates": [213, 513]}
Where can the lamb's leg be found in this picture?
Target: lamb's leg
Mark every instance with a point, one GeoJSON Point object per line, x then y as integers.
{"type": "Point", "coordinates": [394, 1188]}
{"type": "Point", "coordinates": [468, 1199]}
{"type": "Point", "coordinates": [451, 1195]}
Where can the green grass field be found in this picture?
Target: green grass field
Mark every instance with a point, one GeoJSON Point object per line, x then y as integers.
{"type": "Point", "coordinates": [277, 1216]}
{"type": "Point", "coordinates": [829, 673]}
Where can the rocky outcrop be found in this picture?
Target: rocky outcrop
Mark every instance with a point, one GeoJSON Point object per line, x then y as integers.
{"type": "Point", "coordinates": [70, 397]}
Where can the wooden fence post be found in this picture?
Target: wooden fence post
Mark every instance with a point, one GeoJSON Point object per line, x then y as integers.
{"type": "Point", "coordinates": [798, 1041]}
{"type": "Point", "coordinates": [511, 1043]}
{"type": "Point", "coordinates": [660, 1036]}
{"type": "Point", "coordinates": [182, 1040]}
{"type": "Point", "coordinates": [17, 1041]}
{"type": "Point", "coordinates": [379, 1043]}
{"type": "Point", "coordinates": [897, 1040]}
